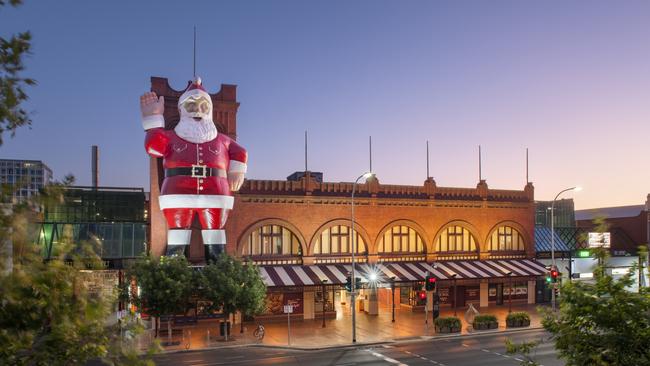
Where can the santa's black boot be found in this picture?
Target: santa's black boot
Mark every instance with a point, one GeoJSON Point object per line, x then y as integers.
{"type": "Point", "coordinates": [212, 252]}
{"type": "Point", "coordinates": [173, 250]}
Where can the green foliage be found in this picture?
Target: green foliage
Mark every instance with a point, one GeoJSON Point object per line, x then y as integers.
{"type": "Point", "coordinates": [523, 349]}
{"type": "Point", "coordinates": [516, 316]}
{"type": "Point", "coordinates": [47, 314]}
{"type": "Point", "coordinates": [486, 318]}
{"type": "Point", "coordinates": [165, 284]}
{"type": "Point", "coordinates": [231, 285]}
{"type": "Point", "coordinates": [12, 94]}
{"type": "Point", "coordinates": [449, 322]}
{"type": "Point", "coordinates": [602, 323]}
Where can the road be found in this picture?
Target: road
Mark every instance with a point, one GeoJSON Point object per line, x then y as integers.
{"type": "Point", "coordinates": [487, 349]}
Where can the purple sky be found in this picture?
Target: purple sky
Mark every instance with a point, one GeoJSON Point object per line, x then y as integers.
{"type": "Point", "coordinates": [568, 80]}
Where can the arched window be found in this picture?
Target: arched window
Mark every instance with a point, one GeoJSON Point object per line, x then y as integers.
{"type": "Point", "coordinates": [335, 240]}
{"type": "Point", "coordinates": [456, 239]}
{"type": "Point", "coordinates": [507, 238]}
{"type": "Point", "coordinates": [401, 239]}
{"type": "Point", "coordinates": [272, 240]}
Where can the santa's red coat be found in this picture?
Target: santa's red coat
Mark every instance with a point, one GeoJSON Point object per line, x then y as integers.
{"type": "Point", "coordinates": [184, 191]}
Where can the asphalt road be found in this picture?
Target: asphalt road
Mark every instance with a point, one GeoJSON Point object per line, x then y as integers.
{"type": "Point", "coordinates": [459, 351]}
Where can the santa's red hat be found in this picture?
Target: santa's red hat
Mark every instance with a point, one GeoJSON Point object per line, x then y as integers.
{"type": "Point", "coordinates": [194, 89]}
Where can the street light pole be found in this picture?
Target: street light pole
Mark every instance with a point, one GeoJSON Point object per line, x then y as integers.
{"type": "Point", "coordinates": [353, 238]}
{"type": "Point", "coordinates": [324, 302]}
{"type": "Point", "coordinates": [454, 277]}
{"type": "Point", "coordinates": [392, 289]}
{"type": "Point", "coordinates": [553, 238]}
{"type": "Point", "coordinates": [510, 293]}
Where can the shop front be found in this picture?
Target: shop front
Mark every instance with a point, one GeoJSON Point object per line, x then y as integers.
{"type": "Point", "coordinates": [460, 283]}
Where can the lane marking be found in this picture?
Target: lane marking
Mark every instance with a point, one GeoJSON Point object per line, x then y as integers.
{"type": "Point", "coordinates": [386, 358]}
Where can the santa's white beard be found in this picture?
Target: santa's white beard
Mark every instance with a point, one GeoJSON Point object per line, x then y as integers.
{"type": "Point", "coordinates": [196, 131]}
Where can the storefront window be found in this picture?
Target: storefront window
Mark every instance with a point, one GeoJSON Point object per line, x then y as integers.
{"type": "Point", "coordinates": [336, 240]}
{"type": "Point", "coordinates": [506, 238]}
{"type": "Point", "coordinates": [456, 239]}
{"type": "Point", "coordinates": [401, 239]}
{"type": "Point", "coordinates": [270, 240]}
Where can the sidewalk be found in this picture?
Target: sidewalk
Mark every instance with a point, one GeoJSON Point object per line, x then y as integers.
{"type": "Point", "coordinates": [310, 334]}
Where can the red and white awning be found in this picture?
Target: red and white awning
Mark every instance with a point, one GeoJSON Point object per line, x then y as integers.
{"type": "Point", "coordinates": [336, 274]}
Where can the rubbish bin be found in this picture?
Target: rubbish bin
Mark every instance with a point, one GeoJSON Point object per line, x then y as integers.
{"type": "Point", "coordinates": [222, 328]}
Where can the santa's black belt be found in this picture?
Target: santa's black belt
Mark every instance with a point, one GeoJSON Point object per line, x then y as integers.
{"type": "Point", "coordinates": [196, 171]}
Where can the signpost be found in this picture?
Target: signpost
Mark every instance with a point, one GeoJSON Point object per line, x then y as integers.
{"type": "Point", "coordinates": [288, 309]}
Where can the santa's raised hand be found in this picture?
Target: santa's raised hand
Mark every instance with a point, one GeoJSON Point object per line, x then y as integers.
{"type": "Point", "coordinates": [151, 104]}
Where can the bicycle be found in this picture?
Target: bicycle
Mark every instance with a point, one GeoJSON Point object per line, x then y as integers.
{"type": "Point", "coordinates": [259, 332]}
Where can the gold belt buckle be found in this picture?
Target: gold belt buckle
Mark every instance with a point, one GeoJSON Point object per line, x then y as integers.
{"type": "Point", "coordinates": [203, 171]}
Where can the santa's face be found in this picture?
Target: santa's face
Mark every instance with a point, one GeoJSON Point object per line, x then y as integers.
{"type": "Point", "coordinates": [196, 123]}
{"type": "Point", "coordinates": [197, 107]}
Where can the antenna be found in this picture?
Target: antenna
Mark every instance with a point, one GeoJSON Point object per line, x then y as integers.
{"type": "Point", "coordinates": [480, 175]}
{"type": "Point", "coordinates": [428, 176]}
{"type": "Point", "coordinates": [370, 145]}
{"type": "Point", "coordinates": [527, 180]}
{"type": "Point", "coordinates": [194, 60]}
{"type": "Point", "coordinates": [305, 150]}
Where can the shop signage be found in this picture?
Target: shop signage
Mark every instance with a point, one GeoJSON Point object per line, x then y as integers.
{"type": "Point", "coordinates": [587, 275]}
{"type": "Point", "coordinates": [619, 271]}
{"type": "Point", "coordinates": [598, 240]}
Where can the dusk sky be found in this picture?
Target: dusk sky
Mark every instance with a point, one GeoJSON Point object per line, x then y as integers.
{"type": "Point", "coordinates": [568, 80]}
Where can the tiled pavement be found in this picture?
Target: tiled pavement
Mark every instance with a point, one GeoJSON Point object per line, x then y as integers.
{"type": "Point", "coordinates": [337, 332]}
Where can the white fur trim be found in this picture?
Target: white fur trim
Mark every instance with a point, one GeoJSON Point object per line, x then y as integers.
{"type": "Point", "coordinates": [195, 201]}
{"type": "Point", "coordinates": [178, 237]}
{"type": "Point", "coordinates": [155, 121]}
{"type": "Point", "coordinates": [237, 167]}
{"type": "Point", "coordinates": [214, 237]}
{"type": "Point", "coordinates": [154, 152]}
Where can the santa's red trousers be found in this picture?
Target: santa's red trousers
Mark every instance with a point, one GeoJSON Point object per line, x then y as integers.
{"type": "Point", "coordinates": [210, 218]}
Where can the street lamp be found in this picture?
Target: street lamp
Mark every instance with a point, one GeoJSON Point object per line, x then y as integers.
{"type": "Point", "coordinates": [353, 238]}
{"type": "Point", "coordinates": [392, 289]}
{"type": "Point", "coordinates": [324, 301]}
{"type": "Point", "coordinates": [577, 189]}
{"type": "Point", "coordinates": [454, 277]}
{"type": "Point", "coordinates": [509, 274]}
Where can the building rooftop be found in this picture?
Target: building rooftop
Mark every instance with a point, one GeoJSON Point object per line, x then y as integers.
{"type": "Point", "coordinates": [610, 212]}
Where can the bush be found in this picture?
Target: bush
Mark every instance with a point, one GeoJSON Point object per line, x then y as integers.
{"type": "Point", "coordinates": [486, 321]}
{"type": "Point", "coordinates": [447, 325]}
{"type": "Point", "coordinates": [518, 319]}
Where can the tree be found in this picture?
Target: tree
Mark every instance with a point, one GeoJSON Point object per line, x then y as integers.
{"type": "Point", "coordinates": [231, 286]}
{"type": "Point", "coordinates": [12, 84]}
{"type": "Point", "coordinates": [602, 323]}
{"type": "Point", "coordinates": [165, 284]}
{"type": "Point", "coordinates": [47, 314]}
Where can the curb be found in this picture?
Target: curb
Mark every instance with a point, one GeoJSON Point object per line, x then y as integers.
{"type": "Point", "coordinates": [408, 340]}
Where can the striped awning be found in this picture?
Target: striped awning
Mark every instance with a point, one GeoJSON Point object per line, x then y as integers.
{"type": "Point", "coordinates": [335, 274]}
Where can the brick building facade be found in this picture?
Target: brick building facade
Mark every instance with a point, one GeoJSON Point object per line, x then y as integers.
{"type": "Point", "coordinates": [298, 231]}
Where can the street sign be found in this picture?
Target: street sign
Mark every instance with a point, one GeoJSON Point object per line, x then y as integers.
{"type": "Point", "coordinates": [587, 275]}
{"type": "Point", "coordinates": [288, 309]}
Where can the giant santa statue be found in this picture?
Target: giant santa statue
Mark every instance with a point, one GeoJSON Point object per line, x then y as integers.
{"type": "Point", "coordinates": [202, 168]}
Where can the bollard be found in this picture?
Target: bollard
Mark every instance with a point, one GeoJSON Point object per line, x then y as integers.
{"type": "Point", "coordinates": [188, 345]}
{"type": "Point", "coordinates": [207, 338]}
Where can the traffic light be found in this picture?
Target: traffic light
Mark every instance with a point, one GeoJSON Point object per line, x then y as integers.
{"type": "Point", "coordinates": [436, 310]}
{"type": "Point", "coordinates": [554, 275]}
{"type": "Point", "coordinates": [348, 284]}
{"type": "Point", "coordinates": [430, 283]}
{"type": "Point", "coordinates": [422, 295]}
{"type": "Point", "coordinates": [357, 281]}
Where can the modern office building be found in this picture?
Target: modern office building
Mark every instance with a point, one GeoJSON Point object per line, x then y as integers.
{"type": "Point", "coordinates": [114, 219]}
{"type": "Point", "coordinates": [27, 176]}
{"type": "Point", "coordinates": [564, 213]}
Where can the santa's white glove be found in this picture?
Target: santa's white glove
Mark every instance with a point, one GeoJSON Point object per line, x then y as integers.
{"type": "Point", "coordinates": [235, 180]}
{"type": "Point", "coordinates": [152, 108]}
